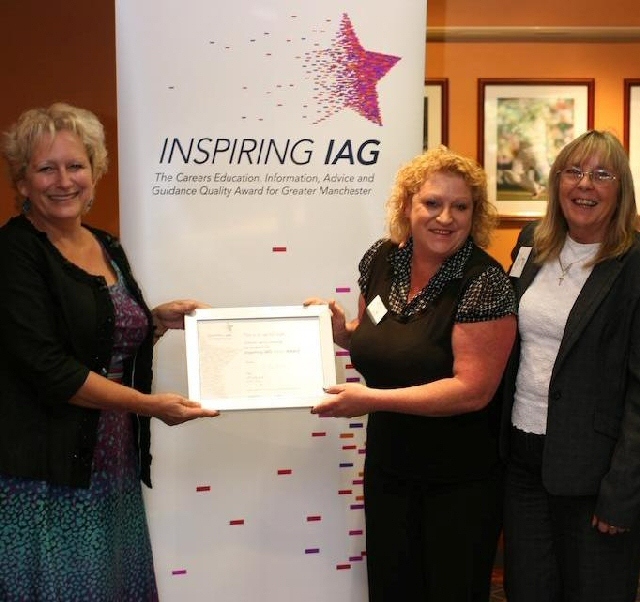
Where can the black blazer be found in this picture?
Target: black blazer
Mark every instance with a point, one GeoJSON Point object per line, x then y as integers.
{"type": "Point", "coordinates": [592, 445]}
{"type": "Point", "coordinates": [56, 324]}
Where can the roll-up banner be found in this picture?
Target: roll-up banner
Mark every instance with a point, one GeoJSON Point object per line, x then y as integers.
{"type": "Point", "coordinates": [258, 142]}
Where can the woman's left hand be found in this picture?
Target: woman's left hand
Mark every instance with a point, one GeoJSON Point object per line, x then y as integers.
{"type": "Point", "coordinates": [605, 527]}
{"type": "Point", "coordinates": [346, 401]}
{"type": "Point", "coordinates": [171, 314]}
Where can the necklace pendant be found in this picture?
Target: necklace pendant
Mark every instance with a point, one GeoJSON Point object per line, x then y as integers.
{"type": "Point", "coordinates": [564, 270]}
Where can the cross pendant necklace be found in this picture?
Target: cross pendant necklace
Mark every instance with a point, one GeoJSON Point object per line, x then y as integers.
{"type": "Point", "coordinates": [564, 270]}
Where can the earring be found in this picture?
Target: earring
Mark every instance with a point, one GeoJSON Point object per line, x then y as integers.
{"type": "Point", "coordinates": [26, 206]}
{"type": "Point", "coordinates": [88, 205]}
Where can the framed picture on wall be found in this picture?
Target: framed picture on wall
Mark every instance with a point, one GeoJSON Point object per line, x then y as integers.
{"type": "Point", "coordinates": [522, 125]}
{"type": "Point", "coordinates": [632, 129]}
{"type": "Point", "coordinates": [436, 113]}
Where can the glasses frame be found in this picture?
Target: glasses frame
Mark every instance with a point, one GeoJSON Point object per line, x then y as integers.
{"type": "Point", "coordinates": [576, 175]}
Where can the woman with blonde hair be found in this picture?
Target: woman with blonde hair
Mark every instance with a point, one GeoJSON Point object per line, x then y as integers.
{"type": "Point", "coordinates": [76, 340]}
{"type": "Point", "coordinates": [572, 387]}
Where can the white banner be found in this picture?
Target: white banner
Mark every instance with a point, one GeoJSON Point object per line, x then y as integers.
{"type": "Point", "coordinates": [258, 142]}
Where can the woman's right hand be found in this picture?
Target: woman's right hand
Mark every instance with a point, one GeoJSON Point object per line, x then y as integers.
{"type": "Point", "coordinates": [174, 409]}
{"type": "Point", "coordinates": [100, 393]}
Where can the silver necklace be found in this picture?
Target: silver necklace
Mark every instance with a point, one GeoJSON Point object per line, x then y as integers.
{"type": "Point", "coordinates": [564, 270]}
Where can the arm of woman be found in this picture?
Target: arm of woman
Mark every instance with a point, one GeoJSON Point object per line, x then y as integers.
{"type": "Point", "coordinates": [33, 309]}
{"type": "Point", "coordinates": [480, 351]}
{"type": "Point", "coordinates": [618, 502]}
{"type": "Point", "coordinates": [100, 393]}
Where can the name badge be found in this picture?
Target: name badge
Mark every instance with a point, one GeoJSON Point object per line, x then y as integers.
{"type": "Point", "coordinates": [376, 310]}
{"type": "Point", "coordinates": [518, 264]}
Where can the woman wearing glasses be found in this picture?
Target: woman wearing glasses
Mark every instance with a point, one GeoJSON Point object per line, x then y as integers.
{"type": "Point", "coordinates": [572, 511]}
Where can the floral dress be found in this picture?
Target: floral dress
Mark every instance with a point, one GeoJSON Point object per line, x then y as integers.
{"type": "Point", "coordinates": [67, 544]}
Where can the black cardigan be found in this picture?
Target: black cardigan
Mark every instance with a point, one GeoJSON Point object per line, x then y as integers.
{"type": "Point", "coordinates": [56, 325]}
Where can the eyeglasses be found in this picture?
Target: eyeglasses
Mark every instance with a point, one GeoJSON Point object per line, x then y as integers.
{"type": "Point", "coordinates": [597, 176]}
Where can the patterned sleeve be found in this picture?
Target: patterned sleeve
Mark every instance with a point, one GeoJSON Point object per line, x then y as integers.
{"type": "Point", "coordinates": [365, 266]}
{"type": "Point", "coordinates": [489, 296]}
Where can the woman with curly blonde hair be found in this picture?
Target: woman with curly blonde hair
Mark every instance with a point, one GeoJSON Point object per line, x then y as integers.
{"type": "Point", "coordinates": [410, 178]}
{"type": "Point", "coordinates": [435, 325]}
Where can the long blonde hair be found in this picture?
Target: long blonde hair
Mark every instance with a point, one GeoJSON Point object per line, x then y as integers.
{"type": "Point", "coordinates": [550, 233]}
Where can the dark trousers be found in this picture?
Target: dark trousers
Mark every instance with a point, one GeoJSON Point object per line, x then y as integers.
{"type": "Point", "coordinates": [431, 542]}
{"type": "Point", "coordinates": [551, 551]}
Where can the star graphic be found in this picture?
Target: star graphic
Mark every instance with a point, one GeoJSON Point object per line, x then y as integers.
{"type": "Point", "coordinates": [345, 75]}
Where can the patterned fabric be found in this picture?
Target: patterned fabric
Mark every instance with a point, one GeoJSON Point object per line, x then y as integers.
{"type": "Point", "coordinates": [85, 545]}
{"type": "Point", "coordinates": [488, 297]}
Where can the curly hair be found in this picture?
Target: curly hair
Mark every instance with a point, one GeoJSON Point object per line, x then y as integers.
{"type": "Point", "coordinates": [410, 178]}
{"type": "Point", "coordinates": [20, 140]}
{"type": "Point", "coordinates": [550, 233]}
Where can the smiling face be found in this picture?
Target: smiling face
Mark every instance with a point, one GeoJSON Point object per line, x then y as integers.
{"type": "Point", "coordinates": [58, 179]}
{"type": "Point", "coordinates": [441, 215]}
{"type": "Point", "coordinates": [587, 205]}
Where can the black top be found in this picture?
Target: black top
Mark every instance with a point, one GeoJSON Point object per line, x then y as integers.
{"type": "Point", "coordinates": [56, 325]}
{"type": "Point", "coordinates": [411, 345]}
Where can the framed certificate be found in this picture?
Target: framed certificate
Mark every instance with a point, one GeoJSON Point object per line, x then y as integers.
{"type": "Point", "coordinates": [259, 357]}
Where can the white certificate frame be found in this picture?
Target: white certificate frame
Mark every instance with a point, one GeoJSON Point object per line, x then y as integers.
{"type": "Point", "coordinates": [259, 357]}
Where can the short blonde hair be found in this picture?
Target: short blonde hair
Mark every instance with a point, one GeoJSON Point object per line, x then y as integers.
{"type": "Point", "coordinates": [413, 175]}
{"type": "Point", "coordinates": [551, 232]}
{"type": "Point", "coordinates": [22, 137]}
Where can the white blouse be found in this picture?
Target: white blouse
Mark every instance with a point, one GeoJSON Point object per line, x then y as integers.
{"type": "Point", "coordinates": [542, 316]}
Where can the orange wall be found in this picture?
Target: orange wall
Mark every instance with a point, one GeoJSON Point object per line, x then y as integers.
{"type": "Point", "coordinates": [570, 13]}
{"type": "Point", "coordinates": [63, 51]}
{"type": "Point", "coordinates": [69, 54]}
{"type": "Point", "coordinates": [463, 63]}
